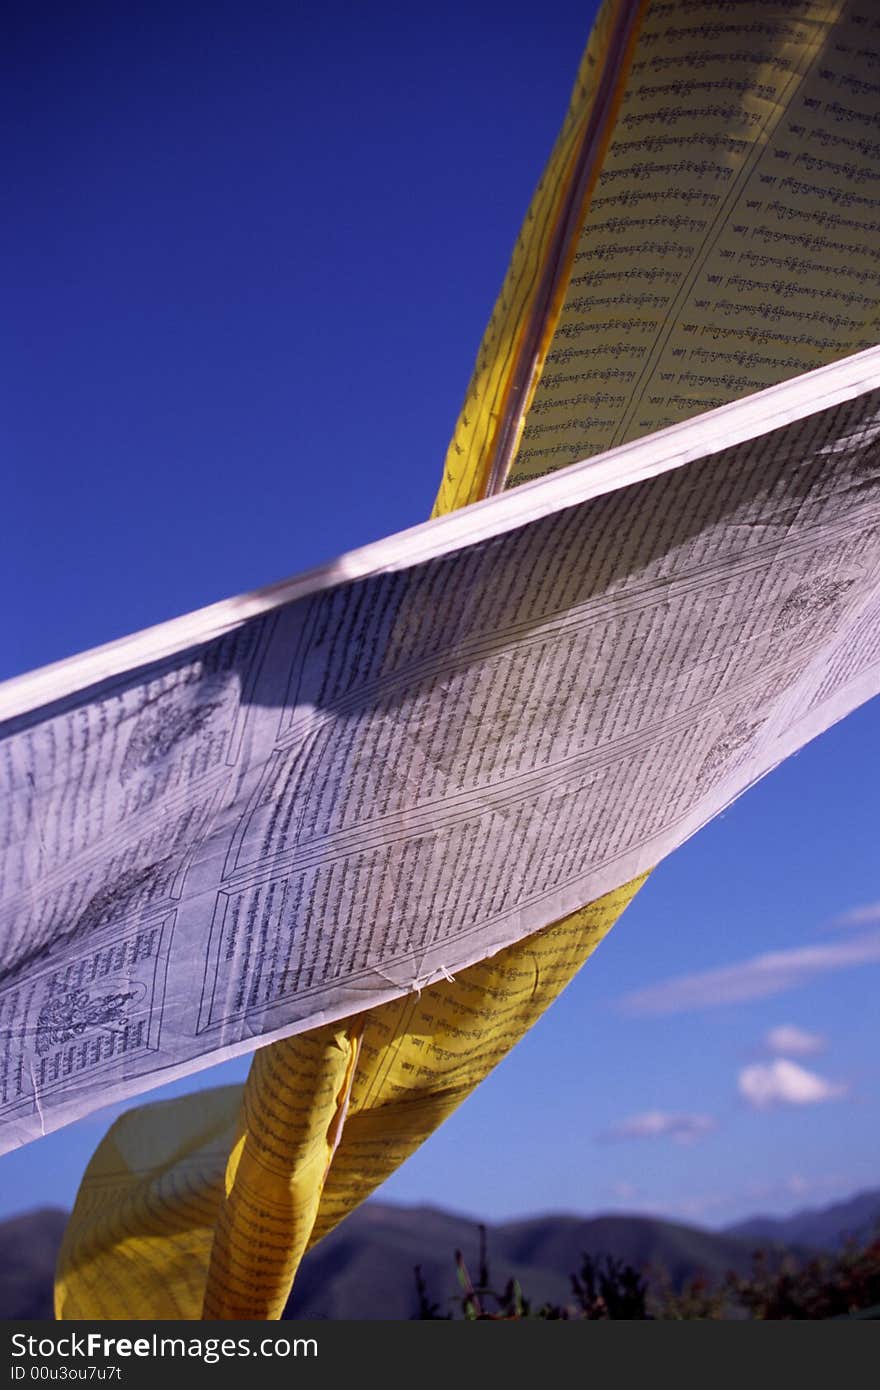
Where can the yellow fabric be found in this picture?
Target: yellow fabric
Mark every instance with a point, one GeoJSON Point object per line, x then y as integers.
{"type": "Point", "coordinates": [709, 261]}
{"type": "Point", "coordinates": [470, 455]}
{"type": "Point", "coordinates": [293, 1111]}
{"type": "Point", "coordinates": [203, 1206]}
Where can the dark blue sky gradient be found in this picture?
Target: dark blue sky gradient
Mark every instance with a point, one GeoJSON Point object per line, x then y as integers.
{"type": "Point", "coordinates": [248, 259]}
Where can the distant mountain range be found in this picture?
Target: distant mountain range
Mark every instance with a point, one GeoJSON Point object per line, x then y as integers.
{"type": "Point", "coordinates": [28, 1251]}
{"type": "Point", "coordinates": [364, 1269]}
{"type": "Point", "coordinates": [823, 1228]}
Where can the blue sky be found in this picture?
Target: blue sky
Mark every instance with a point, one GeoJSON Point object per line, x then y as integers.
{"type": "Point", "coordinates": [248, 257]}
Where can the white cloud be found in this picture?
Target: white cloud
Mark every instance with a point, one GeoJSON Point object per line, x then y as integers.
{"type": "Point", "coordinates": [796, 1042]}
{"type": "Point", "coordinates": [660, 1124]}
{"type": "Point", "coordinates": [757, 978]}
{"type": "Point", "coordinates": [863, 916]}
{"type": "Point", "coordinates": [782, 1082]}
